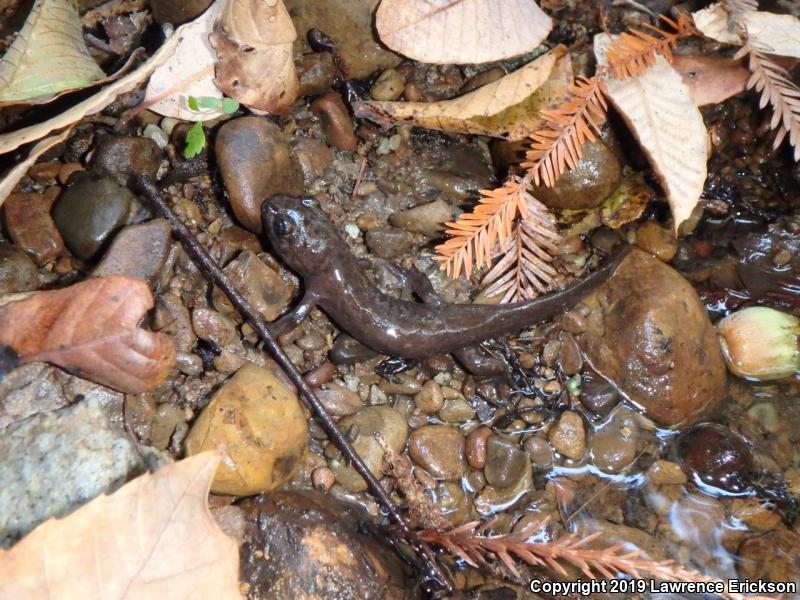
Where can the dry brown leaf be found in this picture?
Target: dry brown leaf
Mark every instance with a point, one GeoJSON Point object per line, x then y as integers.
{"type": "Point", "coordinates": [154, 538]}
{"type": "Point", "coordinates": [659, 109]}
{"type": "Point", "coordinates": [48, 57]}
{"type": "Point", "coordinates": [776, 34]}
{"type": "Point", "coordinates": [507, 108]}
{"type": "Point", "coordinates": [94, 104]}
{"type": "Point", "coordinates": [18, 171]}
{"type": "Point", "coordinates": [711, 79]}
{"type": "Point", "coordinates": [193, 55]}
{"type": "Point", "coordinates": [253, 40]}
{"type": "Point", "coordinates": [90, 329]}
{"type": "Point", "coordinates": [461, 31]}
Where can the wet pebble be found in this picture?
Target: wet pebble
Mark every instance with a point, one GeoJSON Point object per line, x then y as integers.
{"type": "Point", "coordinates": [17, 270]}
{"type": "Point", "coordinates": [599, 396]}
{"type": "Point", "coordinates": [456, 410]}
{"type": "Point", "coordinates": [476, 447]}
{"type": "Point", "coordinates": [429, 399]}
{"type": "Point", "coordinates": [505, 462]}
{"type": "Point", "coordinates": [770, 557]}
{"type": "Point", "coordinates": [388, 242]}
{"type": "Point", "coordinates": [266, 291]}
{"type": "Point", "coordinates": [322, 478]}
{"type": "Point", "coordinates": [123, 158]}
{"type": "Point", "coordinates": [717, 458]}
{"type": "Point", "coordinates": [213, 327]}
{"type": "Point", "coordinates": [539, 451]}
{"type": "Point", "coordinates": [255, 162]}
{"type": "Point", "coordinates": [439, 449]}
{"type": "Point", "coordinates": [173, 318]}
{"type": "Point", "coordinates": [316, 73]}
{"type": "Point", "coordinates": [90, 210]}
{"type": "Point", "coordinates": [348, 351]}
{"type": "Point", "coordinates": [389, 85]}
{"type": "Point", "coordinates": [568, 436]}
{"type": "Point", "coordinates": [138, 251]}
{"type": "Point", "coordinates": [339, 400]}
{"type": "Point", "coordinates": [657, 240]}
{"type": "Point", "coordinates": [569, 355]}
{"type": "Point", "coordinates": [664, 472]}
{"type": "Point", "coordinates": [363, 426]}
{"type": "Point", "coordinates": [314, 157]}
{"type": "Point", "coordinates": [427, 219]}
{"type": "Point", "coordinates": [614, 445]}
{"type": "Point", "coordinates": [262, 426]}
{"type": "Point", "coordinates": [31, 227]}
{"type": "Point", "coordinates": [336, 122]}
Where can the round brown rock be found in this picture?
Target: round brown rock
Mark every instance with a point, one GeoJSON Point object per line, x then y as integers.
{"type": "Point", "coordinates": [307, 545]}
{"type": "Point", "coordinates": [476, 447]}
{"type": "Point", "coordinates": [255, 163]}
{"type": "Point", "coordinates": [439, 449]}
{"type": "Point", "coordinates": [505, 462]}
{"type": "Point", "coordinates": [650, 335]}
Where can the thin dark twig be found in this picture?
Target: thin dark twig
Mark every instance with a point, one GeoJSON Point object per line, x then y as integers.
{"type": "Point", "coordinates": [149, 189]}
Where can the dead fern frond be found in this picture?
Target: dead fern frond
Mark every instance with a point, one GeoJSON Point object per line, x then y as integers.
{"type": "Point", "coordinates": [524, 271]}
{"type": "Point", "coordinates": [633, 52]}
{"type": "Point", "coordinates": [560, 143]}
{"type": "Point", "coordinates": [476, 233]}
{"type": "Point", "coordinates": [471, 544]}
{"type": "Point", "coordinates": [776, 88]}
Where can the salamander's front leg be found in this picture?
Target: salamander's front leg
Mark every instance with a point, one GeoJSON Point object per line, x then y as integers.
{"type": "Point", "coordinates": [293, 318]}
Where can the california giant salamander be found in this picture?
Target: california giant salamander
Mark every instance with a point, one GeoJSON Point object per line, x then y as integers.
{"type": "Point", "coordinates": [307, 241]}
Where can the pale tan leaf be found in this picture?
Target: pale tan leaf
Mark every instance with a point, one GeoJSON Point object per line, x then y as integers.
{"type": "Point", "coordinates": [711, 79]}
{"type": "Point", "coordinates": [48, 57]}
{"type": "Point", "coordinates": [461, 31]}
{"type": "Point", "coordinates": [153, 538]}
{"type": "Point", "coordinates": [659, 110]}
{"type": "Point", "coordinates": [193, 55]}
{"type": "Point", "coordinates": [507, 108]}
{"type": "Point", "coordinates": [94, 104]}
{"type": "Point", "coordinates": [253, 40]}
{"type": "Point", "coordinates": [18, 171]}
{"type": "Point", "coordinates": [90, 328]}
{"type": "Point", "coordinates": [774, 33]}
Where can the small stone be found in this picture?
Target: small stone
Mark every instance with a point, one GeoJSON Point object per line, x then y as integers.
{"type": "Point", "coordinates": [755, 513]}
{"type": "Point", "coordinates": [67, 170]}
{"type": "Point", "coordinates": [614, 445]}
{"type": "Point", "coordinates": [569, 355]}
{"type": "Point", "coordinates": [158, 135]}
{"type": "Point", "coordinates": [189, 364]}
{"type": "Point", "coordinates": [314, 157]}
{"type": "Point", "coordinates": [367, 422]}
{"type": "Point", "coordinates": [45, 172]}
{"type": "Point", "coordinates": [322, 478]}
{"type": "Point", "coordinates": [230, 360]}
{"type": "Point", "coordinates": [349, 351]}
{"type": "Point", "coordinates": [262, 427]}
{"type": "Point", "coordinates": [599, 396]}
{"type": "Point", "coordinates": [31, 227]}
{"type": "Point", "coordinates": [213, 327]}
{"type": "Point", "coordinates": [233, 240]}
{"type": "Point", "coordinates": [505, 462]}
{"type": "Point", "coordinates": [539, 451]}
{"type": "Point", "coordinates": [316, 72]}
{"type": "Point", "coordinates": [657, 240]}
{"type": "Point", "coordinates": [321, 374]}
{"type": "Point", "coordinates": [664, 472]}
{"type": "Point", "coordinates": [17, 271]}
{"type": "Point", "coordinates": [770, 557]}
{"type": "Point", "coordinates": [476, 447]}
{"type": "Point", "coordinates": [124, 158]}
{"type": "Point", "coordinates": [765, 415]}
{"type": "Point", "coordinates": [439, 449]}
{"type": "Point", "coordinates": [336, 121]}
{"type": "Point", "coordinates": [388, 242]}
{"type": "Point", "coordinates": [267, 291]}
{"type": "Point", "coordinates": [177, 12]}
{"type": "Point", "coordinates": [338, 400]}
{"type": "Point", "coordinates": [568, 435]}
{"type": "Point", "coordinates": [168, 124]}
{"type": "Point", "coordinates": [427, 219]}
{"type": "Point", "coordinates": [139, 251]}
{"type": "Point", "coordinates": [492, 500]}
{"type": "Point", "coordinates": [255, 162]}
{"type": "Point", "coordinates": [389, 85]}
{"type": "Point", "coordinates": [429, 400]}
{"type": "Point", "coordinates": [456, 410]}
{"type": "Point", "coordinates": [90, 211]}
{"type": "Point", "coordinates": [173, 318]}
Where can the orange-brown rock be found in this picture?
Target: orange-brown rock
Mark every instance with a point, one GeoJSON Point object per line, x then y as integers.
{"type": "Point", "coordinates": [649, 334]}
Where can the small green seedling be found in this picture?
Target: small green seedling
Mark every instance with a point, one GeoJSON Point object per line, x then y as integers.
{"type": "Point", "coordinates": [196, 137]}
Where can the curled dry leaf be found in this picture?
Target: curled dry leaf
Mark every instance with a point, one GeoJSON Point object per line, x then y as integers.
{"type": "Point", "coordinates": [153, 538]}
{"type": "Point", "coordinates": [461, 31]}
{"type": "Point", "coordinates": [776, 34]}
{"type": "Point", "coordinates": [253, 40]}
{"type": "Point", "coordinates": [507, 108]}
{"type": "Point", "coordinates": [711, 79]}
{"type": "Point", "coordinates": [188, 72]}
{"type": "Point", "coordinates": [48, 57]}
{"type": "Point", "coordinates": [659, 109]}
{"type": "Point", "coordinates": [94, 104]}
{"type": "Point", "coordinates": [90, 329]}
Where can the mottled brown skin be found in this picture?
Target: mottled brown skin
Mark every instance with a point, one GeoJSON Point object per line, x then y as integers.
{"type": "Point", "coordinates": [305, 238]}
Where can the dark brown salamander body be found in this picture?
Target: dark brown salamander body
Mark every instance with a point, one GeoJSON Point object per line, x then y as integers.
{"type": "Point", "coordinates": [307, 241]}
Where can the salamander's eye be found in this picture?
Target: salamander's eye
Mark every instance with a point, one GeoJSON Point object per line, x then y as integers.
{"type": "Point", "coordinates": [281, 227]}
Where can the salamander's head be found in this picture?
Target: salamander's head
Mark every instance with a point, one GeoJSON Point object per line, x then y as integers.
{"type": "Point", "coordinates": [300, 233]}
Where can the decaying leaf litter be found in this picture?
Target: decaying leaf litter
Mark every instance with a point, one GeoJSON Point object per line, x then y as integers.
{"type": "Point", "coordinates": [591, 155]}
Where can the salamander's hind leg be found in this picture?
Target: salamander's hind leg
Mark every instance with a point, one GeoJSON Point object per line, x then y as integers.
{"type": "Point", "coordinates": [294, 317]}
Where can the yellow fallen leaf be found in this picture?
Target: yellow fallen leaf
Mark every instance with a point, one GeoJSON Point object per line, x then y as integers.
{"type": "Point", "coordinates": [253, 40]}
{"type": "Point", "coordinates": [461, 31]}
{"type": "Point", "coordinates": [507, 108]}
{"type": "Point", "coordinates": [774, 33]}
{"type": "Point", "coordinates": [661, 113]}
{"type": "Point", "coordinates": [153, 538]}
